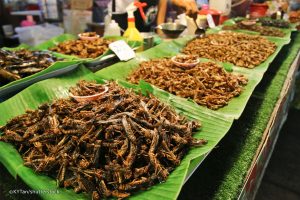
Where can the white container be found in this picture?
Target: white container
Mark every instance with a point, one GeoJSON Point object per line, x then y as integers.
{"type": "Point", "coordinates": [34, 35]}
{"type": "Point", "coordinates": [112, 29]}
{"type": "Point", "coordinates": [224, 6]}
{"type": "Point", "coordinates": [192, 27]}
{"type": "Point", "coordinates": [8, 30]}
{"type": "Point", "coordinates": [107, 20]}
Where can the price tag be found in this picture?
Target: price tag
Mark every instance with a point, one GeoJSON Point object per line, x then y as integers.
{"type": "Point", "coordinates": [122, 50]}
{"type": "Point", "coordinates": [210, 21]}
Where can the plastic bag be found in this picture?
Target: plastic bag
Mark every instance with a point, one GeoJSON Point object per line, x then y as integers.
{"type": "Point", "coordinates": [34, 35]}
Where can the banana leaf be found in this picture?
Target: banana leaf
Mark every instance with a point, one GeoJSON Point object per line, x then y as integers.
{"type": "Point", "coordinates": [57, 68]}
{"type": "Point", "coordinates": [21, 46]}
{"type": "Point", "coordinates": [215, 124]}
{"type": "Point", "coordinates": [122, 69]}
{"type": "Point", "coordinates": [233, 110]}
{"type": "Point", "coordinates": [293, 26]}
{"type": "Point", "coordinates": [46, 91]}
{"type": "Point", "coordinates": [65, 37]}
{"type": "Point", "coordinates": [55, 41]}
{"type": "Point", "coordinates": [286, 31]}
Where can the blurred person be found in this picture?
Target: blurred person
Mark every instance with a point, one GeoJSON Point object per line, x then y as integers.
{"type": "Point", "coordinates": [99, 10]}
{"type": "Point", "coordinates": [155, 12]}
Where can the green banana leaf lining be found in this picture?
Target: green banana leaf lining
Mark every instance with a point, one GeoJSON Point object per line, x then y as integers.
{"type": "Point", "coordinates": [215, 124]}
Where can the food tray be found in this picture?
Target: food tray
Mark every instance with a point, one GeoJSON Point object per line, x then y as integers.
{"type": "Point", "coordinates": [59, 67]}
{"type": "Point", "coordinates": [8, 91]}
{"type": "Point", "coordinates": [93, 63]}
{"type": "Point", "coordinates": [287, 31]}
{"type": "Point", "coordinates": [235, 107]}
{"type": "Point", "coordinates": [48, 90]}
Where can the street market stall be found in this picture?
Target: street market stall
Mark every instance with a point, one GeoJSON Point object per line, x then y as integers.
{"type": "Point", "coordinates": [204, 108]}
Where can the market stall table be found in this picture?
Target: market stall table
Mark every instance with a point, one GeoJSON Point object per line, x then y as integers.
{"type": "Point", "coordinates": [223, 174]}
{"type": "Point", "coordinates": [234, 169]}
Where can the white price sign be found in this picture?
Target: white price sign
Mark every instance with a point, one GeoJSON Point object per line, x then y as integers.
{"type": "Point", "coordinates": [210, 21]}
{"type": "Point", "coordinates": [122, 50]}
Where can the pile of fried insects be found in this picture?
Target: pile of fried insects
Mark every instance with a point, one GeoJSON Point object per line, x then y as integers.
{"type": "Point", "coordinates": [18, 64]}
{"type": "Point", "coordinates": [207, 83]}
{"type": "Point", "coordinates": [263, 30]}
{"type": "Point", "coordinates": [110, 147]}
{"type": "Point", "coordinates": [83, 48]}
{"type": "Point", "coordinates": [239, 49]}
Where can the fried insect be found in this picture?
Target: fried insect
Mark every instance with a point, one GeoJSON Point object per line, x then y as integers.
{"type": "Point", "coordinates": [18, 64]}
{"type": "Point", "coordinates": [89, 34]}
{"type": "Point", "coordinates": [279, 23]}
{"type": "Point", "coordinates": [186, 59]}
{"type": "Point", "coordinates": [240, 49]}
{"type": "Point", "coordinates": [84, 88]}
{"type": "Point", "coordinates": [207, 83]}
{"type": "Point", "coordinates": [263, 30]}
{"type": "Point", "coordinates": [90, 147]}
{"type": "Point", "coordinates": [83, 48]}
{"type": "Point", "coordinates": [294, 16]}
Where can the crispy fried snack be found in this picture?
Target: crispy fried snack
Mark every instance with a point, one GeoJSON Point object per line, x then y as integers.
{"type": "Point", "coordinates": [21, 63]}
{"type": "Point", "coordinates": [208, 84]}
{"type": "Point", "coordinates": [240, 49]}
{"type": "Point", "coordinates": [83, 48]}
{"type": "Point", "coordinates": [111, 147]}
{"type": "Point", "coordinates": [263, 30]}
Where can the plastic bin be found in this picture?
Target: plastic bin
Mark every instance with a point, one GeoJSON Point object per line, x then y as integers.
{"type": "Point", "coordinates": [34, 35]}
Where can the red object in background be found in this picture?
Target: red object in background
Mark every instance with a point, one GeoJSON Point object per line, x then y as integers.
{"type": "Point", "coordinates": [258, 10]}
{"type": "Point", "coordinates": [32, 7]}
{"type": "Point", "coordinates": [140, 6]}
{"type": "Point", "coordinates": [214, 13]}
{"type": "Point", "coordinates": [223, 18]}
